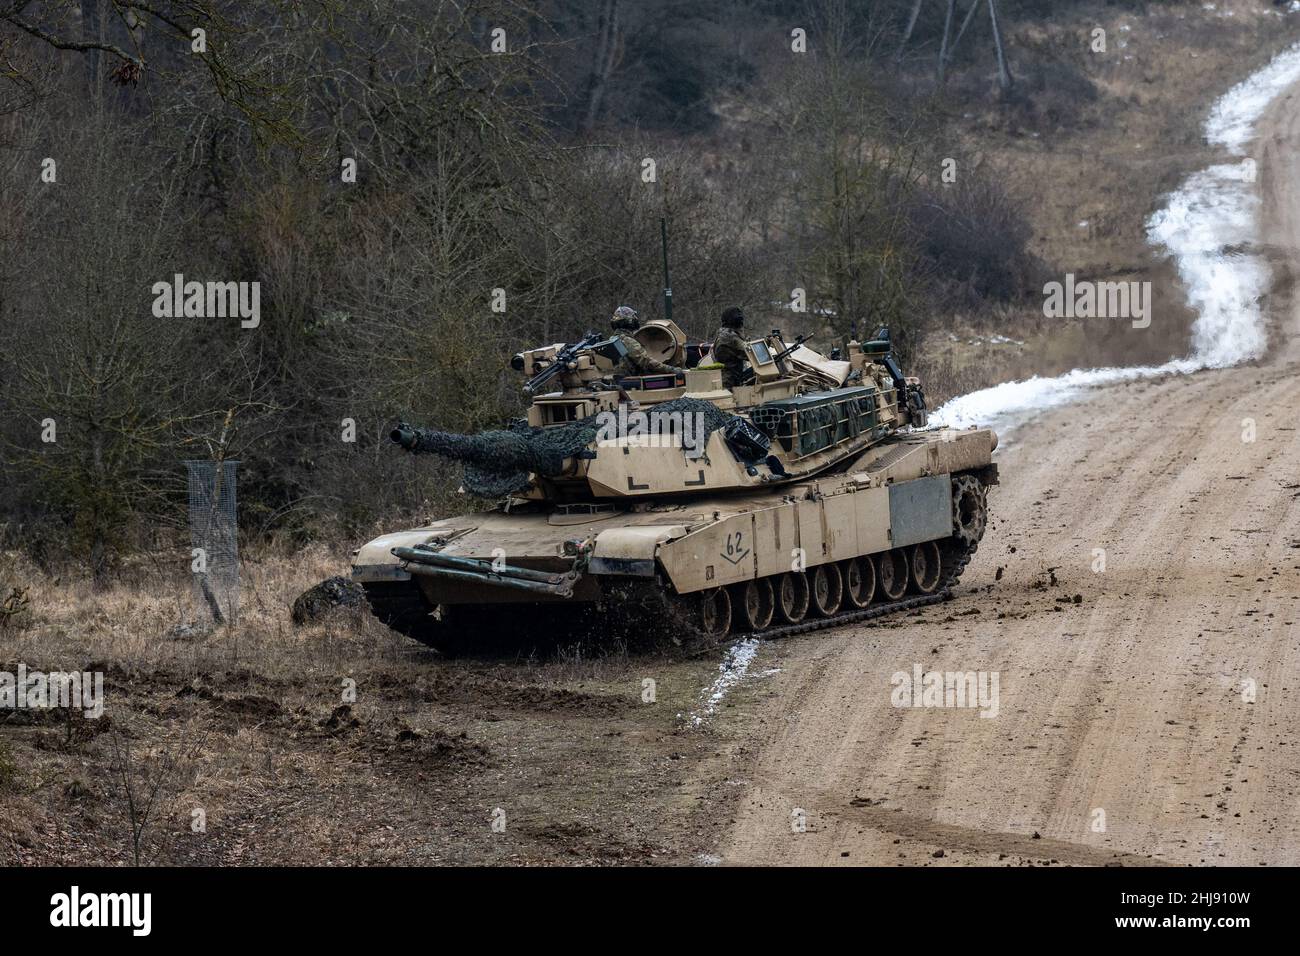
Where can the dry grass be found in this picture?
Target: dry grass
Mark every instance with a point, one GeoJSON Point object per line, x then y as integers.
{"type": "Point", "coordinates": [252, 726]}
{"type": "Point", "coordinates": [1145, 132]}
{"type": "Point", "coordinates": [135, 621]}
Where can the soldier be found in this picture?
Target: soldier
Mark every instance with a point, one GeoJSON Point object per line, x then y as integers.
{"type": "Point", "coordinates": [729, 347]}
{"type": "Point", "coordinates": [637, 361]}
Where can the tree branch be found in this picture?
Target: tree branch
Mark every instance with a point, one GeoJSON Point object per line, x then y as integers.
{"type": "Point", "coordinates": [77, 46]}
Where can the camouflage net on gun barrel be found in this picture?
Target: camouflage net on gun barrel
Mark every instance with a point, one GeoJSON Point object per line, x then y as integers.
{"type": "Point", "coordinates": [499, 462]}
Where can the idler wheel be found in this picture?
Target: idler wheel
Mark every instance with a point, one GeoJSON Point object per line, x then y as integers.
{"type": "Point", "coordinates": [859, 576]}
{"type": "Point", "coordinates": [969, 510]}
{"type": "Point", "coordinates": [926, 567]}
{"type": "Point", "coordinates": [791, 591]}
{"type": "Point", "coordinates": [825, 589]}
{"type": "Point", "coordinates": [754, 604]}
{"type": "Point", "coordinates": [891, 573]}
{"type": "Point", "coordinates": [715, 613]}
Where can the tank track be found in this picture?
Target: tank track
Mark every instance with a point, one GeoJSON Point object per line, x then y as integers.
{"type": "Point", "coordinates": [401, 606]}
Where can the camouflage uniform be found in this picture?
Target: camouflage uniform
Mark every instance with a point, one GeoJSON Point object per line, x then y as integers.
{"type": "Point", "coordinates": [729, 352]}
{"type": "Point", "coordinates": [638, 361]}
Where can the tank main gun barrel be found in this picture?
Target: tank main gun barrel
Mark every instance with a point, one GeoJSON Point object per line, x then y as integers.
{"type": "Point", "coordinates": [403, 435]}
{"type": "Point", "coordinates": [495, 451]}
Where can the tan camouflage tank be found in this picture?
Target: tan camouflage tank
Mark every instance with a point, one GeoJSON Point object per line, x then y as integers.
{"type": "Point", "coordinates": [665, 505]}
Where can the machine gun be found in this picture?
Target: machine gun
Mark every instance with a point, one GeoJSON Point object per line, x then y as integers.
{"type": "Point", "coordinates": [911, 397]}
{"type": "Point", "coordinates": [888, 360]}
{"type": "Point", "coordinates": [780, 356]}
{"type": "Point", "coordinates": [561, 362]}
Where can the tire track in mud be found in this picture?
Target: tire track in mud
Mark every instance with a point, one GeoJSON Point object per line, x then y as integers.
{"type": "Point", "coordinates": [1014, 847]}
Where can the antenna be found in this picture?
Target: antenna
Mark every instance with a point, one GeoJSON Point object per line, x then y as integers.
{"type": "Point", "coordinates": [668, 282]}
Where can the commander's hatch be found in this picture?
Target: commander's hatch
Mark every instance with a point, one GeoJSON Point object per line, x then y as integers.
{"type": "Point", "coordinates": [663, 341]}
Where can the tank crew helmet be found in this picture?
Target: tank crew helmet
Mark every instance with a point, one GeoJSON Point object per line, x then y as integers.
{"type": "Point", "coordinates": [625, 317]}
{"type": "Point", "coordinates": [733, 318]}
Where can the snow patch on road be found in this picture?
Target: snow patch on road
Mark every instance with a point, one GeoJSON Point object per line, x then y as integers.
{"type": "Point", "coordinates": [1233, 118]}
{"type": "Point", "coordinates": [731, 672]}
{"type": "Point", "coordinates": [1206, 226]}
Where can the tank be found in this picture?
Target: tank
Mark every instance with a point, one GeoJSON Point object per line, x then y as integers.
{"type": "Point", "coordinates": [659, 506]}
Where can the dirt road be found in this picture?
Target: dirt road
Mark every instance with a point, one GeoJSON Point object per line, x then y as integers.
{"type": "Point", "coordinates": [1125, 731]}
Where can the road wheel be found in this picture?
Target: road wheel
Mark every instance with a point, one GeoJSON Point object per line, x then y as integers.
{"type": "Point", "coordinates": [791, 597]}
{"type": "Point", "coordinates": [925, 567]}
{"type": "Point", "coordinates": [859, 577]}
{"type": "Point", "coordinates": [969, 510]}
{"type": "Point", "coordinates": [754, 604]}
{"type": "Point", "coordinates": [825, 590]}
{"type": "Point", "coordinates": [891, 574]}
{"type": "Point", "coordinates": [715, 613]}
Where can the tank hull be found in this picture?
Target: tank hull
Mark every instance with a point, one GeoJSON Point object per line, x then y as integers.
{"type": "Point", "coordinates": [914, 504]}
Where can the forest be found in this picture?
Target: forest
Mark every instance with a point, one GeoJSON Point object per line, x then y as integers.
{"type": "Point", "coordinates": [416, 190]}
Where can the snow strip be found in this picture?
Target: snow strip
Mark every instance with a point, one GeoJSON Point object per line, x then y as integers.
{"type": "Point", "coordinates": [1205, 226]}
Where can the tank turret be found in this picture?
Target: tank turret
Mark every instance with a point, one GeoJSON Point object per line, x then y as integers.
{"type": "Point", "coordinates": [596, 434]}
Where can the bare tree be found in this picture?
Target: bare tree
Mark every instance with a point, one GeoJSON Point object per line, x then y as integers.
{"type": "Point", "coordinates": [609, 50]}
{"type": "Point", "coordinates": [853, 168]}
{"type": "Point", "coordinates": [947, 48]}
{"type": "Point", "coordinates": [149, 786]}
{"type": "Point", "coordinates": [100, 389]}
{"type": "Point", "coordinates": [1004, 72]}
{"type": "Point", "coordinates": [179, 32]}
{"type": "Point", "coordinates": [907, 31]}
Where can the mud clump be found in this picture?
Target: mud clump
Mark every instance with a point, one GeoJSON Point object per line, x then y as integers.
{"type": "Point", "coordinates": [330, 596]}
{"type": "Point", "coordinates": [15, 609]}
{"type": "Point", "coordinates": [252, 705]}
{"type": "Point", "coordinates": [195, 689]}
{"type": "Point", "coordinates": [441, 747]}
{"type": "Point", "coordinates": [341, 721]}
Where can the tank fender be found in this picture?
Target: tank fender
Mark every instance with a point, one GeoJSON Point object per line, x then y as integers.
{"type": "Point", "coordinates": [375, 560]}
{"type": "Point", "coordinates": [958, 451]}
{"type": "Point", "coordinates": [631, 551]}
{"type": "Point", "coordinates": [721, 552]}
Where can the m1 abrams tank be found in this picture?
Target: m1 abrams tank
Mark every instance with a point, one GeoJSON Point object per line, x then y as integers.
{"type": "Point", "coordinates": [667, 506]}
